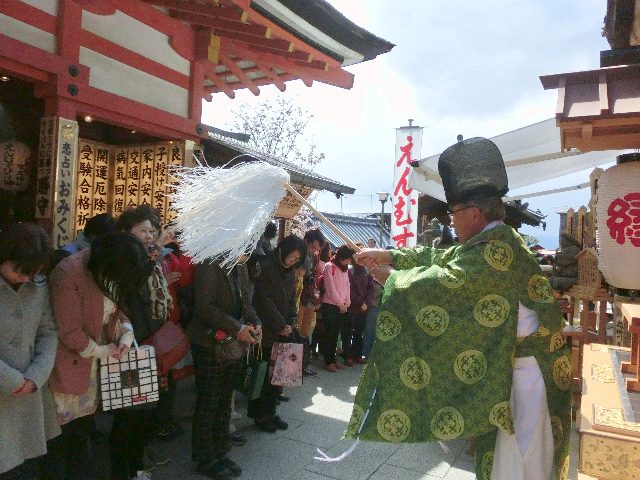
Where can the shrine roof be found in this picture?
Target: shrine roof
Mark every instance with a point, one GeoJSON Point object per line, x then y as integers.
{"type": "Point", "coordinates": [224, 149]}
{"type": "Point", "coordinates": [269, 42]}
{"type": "Point", "coordinates": [328, 20]}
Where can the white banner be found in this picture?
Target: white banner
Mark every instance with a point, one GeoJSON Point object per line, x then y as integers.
{"type": "Point", "coordinates": [404, 214]}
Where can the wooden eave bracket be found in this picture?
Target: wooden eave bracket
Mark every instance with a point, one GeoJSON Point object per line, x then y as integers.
{"type": "Point", "coordinates": [226, 12]}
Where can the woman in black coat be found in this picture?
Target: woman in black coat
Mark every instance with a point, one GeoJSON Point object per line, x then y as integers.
{"type": "Point", "coordinates": [274, 300]}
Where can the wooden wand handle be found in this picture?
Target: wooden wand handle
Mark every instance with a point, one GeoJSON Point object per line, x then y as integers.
{"type": "Point", "coordinates": [324, 219]}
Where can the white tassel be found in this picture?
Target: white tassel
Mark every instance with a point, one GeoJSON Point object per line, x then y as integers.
{"type": "Point", "coordinates": [326, 458]}
{"type": "Point", "coordinates": [222, 212]}
{"type": "Point", "coordinates": [348, 451]}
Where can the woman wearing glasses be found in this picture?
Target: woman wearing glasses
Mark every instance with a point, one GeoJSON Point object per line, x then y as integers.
{"type": "Point", "coordinates": [275, 303]}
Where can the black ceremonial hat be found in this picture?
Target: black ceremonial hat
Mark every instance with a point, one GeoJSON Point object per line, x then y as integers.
{"type": "Point", "coordinates": [472, 169]}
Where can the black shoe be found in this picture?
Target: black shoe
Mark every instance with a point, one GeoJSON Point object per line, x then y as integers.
{"type": "Point", "coordinates": [309, 372]}
{"type": "Point", "coordinates": [215, 470]}
{"type": "Point", "coordinates": [266, 425]}
{"type": "Point", "coordinates": [283, 398]}
{"type": "Point", "coordinates": [237, 439]}
{"type": "Point", "coordinates": [278, 422]}
{"type": "Point", "coordinates": [232, 466]}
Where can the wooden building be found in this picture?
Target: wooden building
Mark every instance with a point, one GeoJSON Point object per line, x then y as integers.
{"type": "Point", "coordinates": [600, 109]}
{"type": "Point", "coordinates": [100, 100]}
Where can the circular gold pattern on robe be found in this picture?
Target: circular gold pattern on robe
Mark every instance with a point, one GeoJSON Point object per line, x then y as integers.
{"type": "Point", "coordinates": [557, 431]}
{"type": "Point", "coordinates": [486, 466]}
{"type": "Point", "coordinates": [415, 373]}
{"type": "Point", "coordinates": [434, 320]}
{"type": "Point", "coordinates": [394, 425]}
{"type": "Point", "coordinates": [557, 341]}
{"type": "Point", "coordinates": [562, 372]}
{"type": "Point", "coordinates": [542, 332]}
{"type": "Point", "coordinates": [388, 326]}
{"type": "Point", "coordinates": [447, 424]}
{"type": "Point", "coordinates": [539, 289]}
{"type": "Point", "coordinates": [499, 255]}
{"type": "Point", "coordinates": [491, 311]}
{"type": "Point", "coordinates": [470, 366]}
{"type": "Point", "coordinates": [500, 416]}
{"type": "Point", "coordinates": [407, 260]}
{"type": "Point", "coordinates": [355, 420]}
{"type": "Point", "coordinates": [452, 277]}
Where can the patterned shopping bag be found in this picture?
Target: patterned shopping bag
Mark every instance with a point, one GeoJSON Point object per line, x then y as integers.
{"type": "Point", "coordinates": [286, 364]}
{"type": "Point", "coordinates": [129, 381]}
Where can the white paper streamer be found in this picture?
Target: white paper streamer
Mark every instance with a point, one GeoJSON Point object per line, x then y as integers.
{"type": "Point", "coordinates": [222, 212]}
{"type": "Point", "coordinates": [323, 457]}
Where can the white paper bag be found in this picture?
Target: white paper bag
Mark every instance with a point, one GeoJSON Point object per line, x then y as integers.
{"type": "Point", "coordinates": [129, 381]}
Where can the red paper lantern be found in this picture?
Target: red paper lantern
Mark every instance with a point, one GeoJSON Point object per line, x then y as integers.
{"type": "Point", "coordinates": [618, 217]}
{"type": "Point", "coordinates": [14, 166]}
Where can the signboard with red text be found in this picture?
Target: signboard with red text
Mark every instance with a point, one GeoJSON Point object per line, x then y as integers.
{"type": "Point", "coordinates": [404, 209]}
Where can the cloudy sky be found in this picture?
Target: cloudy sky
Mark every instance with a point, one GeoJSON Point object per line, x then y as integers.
{"type": "Point", "coordinates": [459, 66]}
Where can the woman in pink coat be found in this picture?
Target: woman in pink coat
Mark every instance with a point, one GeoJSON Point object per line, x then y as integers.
{"type": "Point", "coordinates": [89, 291]}
{"type": "Point", "coordinates": [335, 302]}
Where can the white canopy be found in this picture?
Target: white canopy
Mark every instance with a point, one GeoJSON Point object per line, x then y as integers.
{"type": "Point", "coordinates": [531, 155]}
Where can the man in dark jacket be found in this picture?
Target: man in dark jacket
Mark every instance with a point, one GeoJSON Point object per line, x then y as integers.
{"type": "Point", "coordinates": [220, 314]}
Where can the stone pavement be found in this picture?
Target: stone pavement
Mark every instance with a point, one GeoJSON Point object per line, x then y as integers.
{"type": "Point", "coordinates": [318, 413]}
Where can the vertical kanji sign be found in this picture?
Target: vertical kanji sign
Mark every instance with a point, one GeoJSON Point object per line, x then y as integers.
{"type": "Point", "coordinates": [65, 182]}
{"type": "Point", "coordinates": [85, 181]}
{"type": "Point", "coordinates": [46, 173]}
{"type": "Point", "coordinates": [176, 160]}
{"type": "Point", "coordinates": [404, 212]}
{"type": "Point", "coordinates": [160, 176]}
{"type": "Point", "coordinates": [119, 180]}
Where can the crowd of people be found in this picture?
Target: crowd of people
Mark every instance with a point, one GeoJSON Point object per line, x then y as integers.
{"type": "Point", "coordinates": [114, 288]}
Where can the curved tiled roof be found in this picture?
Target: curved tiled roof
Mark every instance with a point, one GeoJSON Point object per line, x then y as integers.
{"type": "Point", "coordinates": [357, 228]}
{"type": "Point", "coordinates": [298, 174]}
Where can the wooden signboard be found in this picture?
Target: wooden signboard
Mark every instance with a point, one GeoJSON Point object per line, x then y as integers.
{"type": "Point", "coordinates": [289, 205]}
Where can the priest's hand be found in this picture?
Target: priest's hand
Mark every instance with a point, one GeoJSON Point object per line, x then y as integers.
{"type": "Point", "coordinates": [373, 257]}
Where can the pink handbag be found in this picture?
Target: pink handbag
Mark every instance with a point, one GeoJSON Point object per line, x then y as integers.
{"type": "Point", "coordinates": [286, 364]}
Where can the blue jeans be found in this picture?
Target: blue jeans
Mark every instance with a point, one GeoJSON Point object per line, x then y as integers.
{"type": "Point", "coordinates": [369, 330]}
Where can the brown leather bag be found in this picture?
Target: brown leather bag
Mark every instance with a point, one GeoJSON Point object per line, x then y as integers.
{"type": "Point", "coordinates": [171, 344]}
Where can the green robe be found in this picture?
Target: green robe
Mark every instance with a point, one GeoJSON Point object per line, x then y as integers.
{"type": "Point", "coordinates": [441, 367]}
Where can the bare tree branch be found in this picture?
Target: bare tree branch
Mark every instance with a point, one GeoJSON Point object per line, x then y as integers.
{"type": "Point", "coordinates": [277, 128]}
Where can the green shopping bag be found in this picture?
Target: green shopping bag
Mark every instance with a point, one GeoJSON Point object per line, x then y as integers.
{"type": "Point", "coordinates": [253, 370]}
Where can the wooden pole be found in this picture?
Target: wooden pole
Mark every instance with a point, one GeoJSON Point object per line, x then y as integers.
{"type": "Point", "coordinates": [324, 219]}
